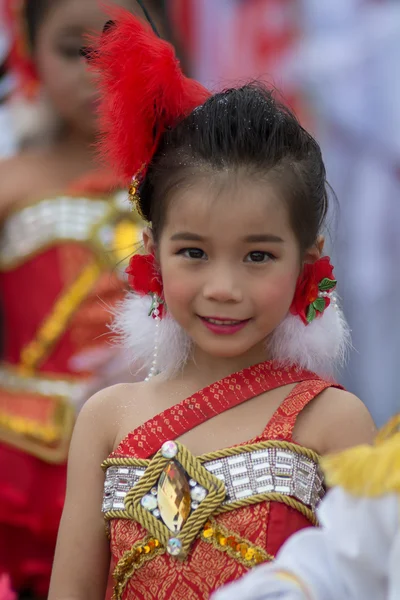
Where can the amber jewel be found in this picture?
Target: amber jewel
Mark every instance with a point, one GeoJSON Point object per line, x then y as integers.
{"type": "Point", "coordinates": [174, 496]}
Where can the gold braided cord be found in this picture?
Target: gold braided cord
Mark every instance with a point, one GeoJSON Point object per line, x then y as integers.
{"type": "Point", "coordinates": [129, 461]}
{"type": "Point", "coordinates": [124, 461]}
{"type": "Point", "coordinates": [281, 445]}
{"type": "Point", "coordinates": [270, 497]}
{"type": "Point", "coordinates": [213, 500]}
{"type": "Point", "coordinates": [140, 489]}
{"type": "Point", "coordinates": [236, 547]}
{"type": "Point", "coordinates": [140, 553]}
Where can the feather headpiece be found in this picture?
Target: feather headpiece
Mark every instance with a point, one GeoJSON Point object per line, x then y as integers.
{"type": "Point", "coordinates": [143, 92]}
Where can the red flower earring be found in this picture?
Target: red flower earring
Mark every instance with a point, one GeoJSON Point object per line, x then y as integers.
{"type": "Point", "coordinates": [314, 290]}
{"type": "Point", "coordinates": [145, 280]}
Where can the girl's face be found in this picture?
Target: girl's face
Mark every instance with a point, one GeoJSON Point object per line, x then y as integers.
{"type": "Point", "coordinates": [63, 72]}
{"type": "Point", "coordinates": [229, 261]}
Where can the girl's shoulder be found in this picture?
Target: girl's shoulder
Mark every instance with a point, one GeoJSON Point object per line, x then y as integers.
{"type": "Point", "coordinates": [338, 420]}
{"type": "Point", "coordinates": [106, 412]}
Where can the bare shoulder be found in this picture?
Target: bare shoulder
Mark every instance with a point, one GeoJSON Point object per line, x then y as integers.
{"type": "Point", "coordinates": [337, 420]}
{"type": "Point", "coordinates": [106, 410]}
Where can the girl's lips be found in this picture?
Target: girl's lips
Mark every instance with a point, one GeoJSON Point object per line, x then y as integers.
{"type": "Point", "coordinates": [221, 326]}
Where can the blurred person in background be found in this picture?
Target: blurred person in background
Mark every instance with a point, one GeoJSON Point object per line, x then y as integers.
{"type": "Point", "coordinates": [65, 230]}
{"type": "Point", "coordinates": [348, 63]}
{"type": "Point", "coordinates": [337, 64]}
{"type": "Point", "coordinates": [7, 141]}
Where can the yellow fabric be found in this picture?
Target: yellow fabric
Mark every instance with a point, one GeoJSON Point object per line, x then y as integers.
{"type": "Point", "coordinates": [368, 471]}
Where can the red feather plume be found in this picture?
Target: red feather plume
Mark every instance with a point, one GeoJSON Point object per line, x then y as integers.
{"type": "Point", "coordinates": [143, 91]}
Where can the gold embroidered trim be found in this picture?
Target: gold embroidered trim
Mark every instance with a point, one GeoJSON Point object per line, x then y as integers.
{"type": "Point", "coordinates": [367, 471]}
{"type": "Point", "coordinates": [27, 427]}
{"type": "Point", "coordinates": [130, 461]}
{"type": "Point", "coordinates": [55, 323]}
{"type": "Point", "coordinates": [236, 547]}
{"type": "Point", "coordinates": [132, 560]}
{"type": "Point", "coordinates": [291, 578]}
{"type": "Point", "coordinates": [15, 432]}
{"type": "Point", "coordinates": [213, 500]}
{"type": "Point", "coordinates": [389, 430]}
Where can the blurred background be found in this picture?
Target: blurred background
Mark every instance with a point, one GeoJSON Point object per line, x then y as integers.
{"type": "Point", "coordinates": [337, 64]}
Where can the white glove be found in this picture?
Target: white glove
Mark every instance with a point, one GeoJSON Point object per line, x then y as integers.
{"type": "Point", "coordinates": [263, 583]}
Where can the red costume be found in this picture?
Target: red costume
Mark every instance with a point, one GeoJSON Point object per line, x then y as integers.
{"type": "Point", "coordinates": [270, 489]}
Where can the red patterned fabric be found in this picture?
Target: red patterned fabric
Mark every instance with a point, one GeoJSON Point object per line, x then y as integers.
{"type": "Point", "coordinates": [267, 525]}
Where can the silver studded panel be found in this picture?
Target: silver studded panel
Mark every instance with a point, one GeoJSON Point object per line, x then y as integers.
{"type": "Point", "coordinates": [118, 482]}
{"type": "Point", "coordinates": [269, 470]}
{"type": "Point", "coordinates": [13, 381]}
{"type": "Point", "coordinates": [244, 475]}
{"type": "Point", "coordinates": [62, 218]}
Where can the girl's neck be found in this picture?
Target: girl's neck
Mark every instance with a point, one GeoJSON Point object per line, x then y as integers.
{"type": "Point", "coordinates": [75, 150]}
{"type": "Point", "coordinates": [207, 369]}
{"type": "Point", "coordinates": [75, 141]}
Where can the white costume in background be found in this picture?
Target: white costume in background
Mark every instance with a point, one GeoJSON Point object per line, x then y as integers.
{"type": "Point", "coordinates": [349, 65]}
{"type": "Point", "coordinates": [356, 553]}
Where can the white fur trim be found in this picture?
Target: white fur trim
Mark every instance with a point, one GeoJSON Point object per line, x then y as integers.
{"type": "Point", "coordinates": [319, 347]}
{"type": "Point", "coordinates": [137, 331]}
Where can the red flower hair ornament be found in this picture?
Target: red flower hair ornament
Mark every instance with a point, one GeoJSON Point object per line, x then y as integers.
{"type": "Point", "coordinates": [145, 280]}
{"type": "Point", "coordinates": [314, 290]}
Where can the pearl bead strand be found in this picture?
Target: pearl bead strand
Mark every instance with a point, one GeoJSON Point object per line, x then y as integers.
{"type": "Point", "coordinates": [156, 316]}
{"type": "Point", "coordinates": [332, 297]}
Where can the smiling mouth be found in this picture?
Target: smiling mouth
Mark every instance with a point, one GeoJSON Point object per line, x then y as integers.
{"type": "Point", "coordinates": [226, 322]}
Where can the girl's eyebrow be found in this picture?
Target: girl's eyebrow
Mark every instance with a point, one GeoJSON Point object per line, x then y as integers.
{"type": "Point", "coordinates": [187, 236]}
{"type": "Point", "coordinates": [263, 237]}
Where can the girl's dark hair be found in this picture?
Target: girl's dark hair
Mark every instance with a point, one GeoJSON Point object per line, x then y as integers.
{"type": "Point", "coordinates": [34, 13]}
{"type": "Point", "coordinates": [35, 10]}
{"type": "Point", "coordinates": [250, 130]}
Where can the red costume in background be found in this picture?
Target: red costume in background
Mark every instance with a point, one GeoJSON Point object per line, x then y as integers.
{"type": "Point", "coordinates": [59, 263]}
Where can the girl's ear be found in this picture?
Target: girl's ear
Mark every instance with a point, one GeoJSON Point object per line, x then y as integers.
{"type": "Point", "coordinates": [148, 241]}
{"type": "Point", "coordinates": [315, 252]}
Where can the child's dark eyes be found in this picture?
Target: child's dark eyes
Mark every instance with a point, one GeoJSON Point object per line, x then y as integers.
{"type": "Point", "coordinates": [256, 256]}
{"type": "Point", "coordinates": [259, 256]}
{"type": "Point", "coordinates": [193, 253]}
{"type": "Point", "coordinates": [69, 51]}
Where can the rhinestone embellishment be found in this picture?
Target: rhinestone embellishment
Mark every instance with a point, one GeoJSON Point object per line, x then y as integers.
{"type": "Point", "coordinates": [198, 493]}
{"type": "Point", "coordinates": [169, 449]}
{"type": "Point", "coordinates": [149, 502]}
{"type": "Point", "coordinates": [173, 496]}
{"type": "Point", "coordinates": [174, 547]}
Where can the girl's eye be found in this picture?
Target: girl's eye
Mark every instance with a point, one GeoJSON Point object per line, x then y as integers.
{"type": "Point", "coordinates": [193, 253]}
{"type": "Point", "coordinates": [69, 51]}
{"type": "Point", "coordinates": [259, 257]}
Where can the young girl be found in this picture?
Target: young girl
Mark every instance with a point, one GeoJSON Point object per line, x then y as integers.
{"type": "Point", "coordinates": [60, 243]}
{"type": "Point", "coordinates": [212, 462]}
